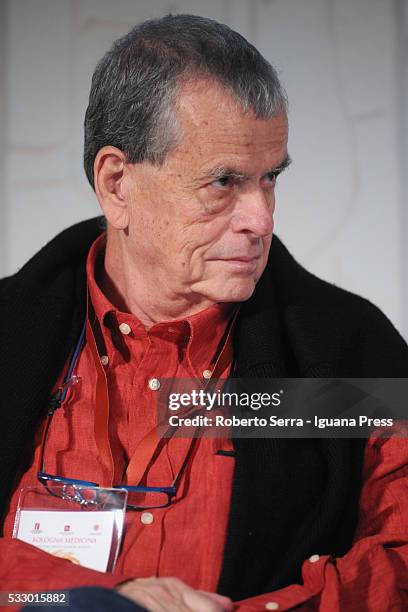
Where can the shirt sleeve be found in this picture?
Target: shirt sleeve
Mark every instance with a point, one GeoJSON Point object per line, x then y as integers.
{"type": "Point", "coordinates": [373, 575]}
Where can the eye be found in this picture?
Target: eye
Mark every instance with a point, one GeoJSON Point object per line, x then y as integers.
{"type": "Point", "coordinates": [223, 182]}
{"type": "Point", "coordinates": [270, 178]}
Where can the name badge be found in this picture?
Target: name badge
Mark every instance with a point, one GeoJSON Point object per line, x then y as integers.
{"type": "Point", "coordinates": [81, 524]}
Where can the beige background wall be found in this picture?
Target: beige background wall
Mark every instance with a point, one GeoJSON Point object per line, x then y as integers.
{"type": "Point", "coordinates": [341, 206]}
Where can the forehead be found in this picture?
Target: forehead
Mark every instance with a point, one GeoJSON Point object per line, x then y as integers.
{"type": "Point", "coordinates": [216, 130]}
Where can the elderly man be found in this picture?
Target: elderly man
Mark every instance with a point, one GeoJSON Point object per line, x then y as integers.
{"type": "Point", "coordinates": [185, 136]}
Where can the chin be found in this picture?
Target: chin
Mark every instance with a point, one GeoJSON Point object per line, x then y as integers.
{"type": "Point", "coordinates": [235, 292]}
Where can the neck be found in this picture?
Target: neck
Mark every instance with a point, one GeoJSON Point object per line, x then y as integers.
{"type": "Point", "coordinates": [135, 288]}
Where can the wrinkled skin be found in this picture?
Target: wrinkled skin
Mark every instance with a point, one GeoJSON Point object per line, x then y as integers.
{"type": "Point", "coordinates": [189, 234]}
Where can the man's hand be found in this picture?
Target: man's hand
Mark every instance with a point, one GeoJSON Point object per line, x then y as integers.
{"type": "Point", "coordinates": [172, 595]}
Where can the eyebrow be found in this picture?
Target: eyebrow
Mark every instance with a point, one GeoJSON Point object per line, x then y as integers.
{"type": "Point", "coordinates": [283, 165]}
{"type": "Point", "coordinates": [220, 171]}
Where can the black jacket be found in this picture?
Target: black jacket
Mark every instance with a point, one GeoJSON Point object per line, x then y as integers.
{"type": "Point", "coordinates": [290, 498]}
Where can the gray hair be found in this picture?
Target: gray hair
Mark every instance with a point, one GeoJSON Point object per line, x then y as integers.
{"type": "Point", "coordinates": [135, 85]}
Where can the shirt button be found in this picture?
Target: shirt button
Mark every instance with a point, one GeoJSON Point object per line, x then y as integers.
{"type": "Point", "coordinates": [125, 329]}
{"type": "Point", "coordinates": [154, 384]}
{"type": "Point", "coordinates": [147, 518]}
{"type": "Point", "coordinates": [207, 374]}
{"type": "Point", "coordinates": [104, 360]}
{"type": "Point", "coordinates": [314, 558]}
{"type": "Point", "coordinates": [272, 605]}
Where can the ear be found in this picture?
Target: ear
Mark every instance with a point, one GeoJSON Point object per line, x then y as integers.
{"type": "Point", "coordinates": [109, 169]}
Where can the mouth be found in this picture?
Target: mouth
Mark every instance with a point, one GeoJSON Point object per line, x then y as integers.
{"type": "Point", "coordinates": [244, 258]}
{"type": "Point", "coordinates": [245, 264]}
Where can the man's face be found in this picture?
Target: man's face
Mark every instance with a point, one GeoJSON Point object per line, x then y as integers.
{"type": "Point", "coordinates": [201, 224]}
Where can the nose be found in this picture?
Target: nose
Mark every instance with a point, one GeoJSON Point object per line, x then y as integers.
{"type": "Point", "coordinates": [254, 213]}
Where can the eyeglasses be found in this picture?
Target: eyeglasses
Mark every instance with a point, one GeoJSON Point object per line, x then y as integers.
{"type": "Point", "coordinates": [86, 493]}
{"type": "Point", "coordinates": [139, 497]}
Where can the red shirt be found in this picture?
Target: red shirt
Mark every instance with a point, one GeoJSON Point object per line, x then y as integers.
{"type": "Point", "coordinates": [373, 574]}
{"type": "Point", "coordinates": [156, 542]}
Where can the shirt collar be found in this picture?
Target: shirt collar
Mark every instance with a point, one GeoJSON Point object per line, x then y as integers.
{"type": "Point", "coordinates": [101, 305]}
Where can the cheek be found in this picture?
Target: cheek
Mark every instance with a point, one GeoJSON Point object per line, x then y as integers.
{"type": "Point", "coordinates": [267, 241]}
{"type": "Point", "coordinates": [151, 240]}
{"type": "Point", "coordinates": [265, 254]}
{"type": "Point", "coordinates": [200, 236]}
{"type": "Point", "coordinates": [153, 233]}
